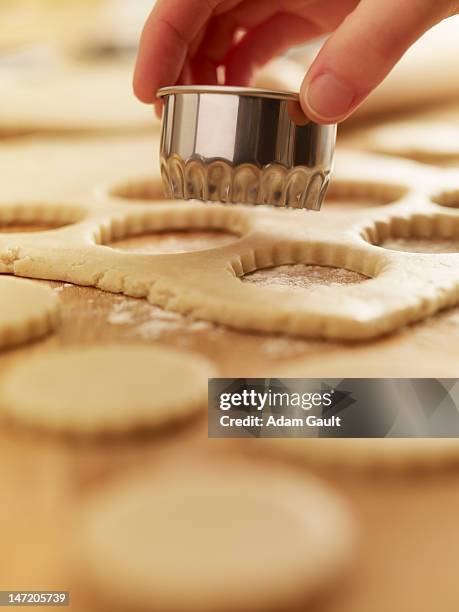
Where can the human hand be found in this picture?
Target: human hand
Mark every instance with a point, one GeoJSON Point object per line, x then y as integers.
{"type": "Point", "coordinates": [186, 41]}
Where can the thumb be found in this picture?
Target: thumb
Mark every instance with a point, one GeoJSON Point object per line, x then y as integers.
{"type": "Point", "coordinates": [362, 51]}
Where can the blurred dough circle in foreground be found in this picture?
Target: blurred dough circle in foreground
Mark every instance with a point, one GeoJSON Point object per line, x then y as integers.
{"type": "Point", "coordinates": [105, 389]}
{"type": "Point", "coordinates": [27, 311]}
{"type": "Point", "coordinates": [223, 536]}
{"type": "Point", "coordinates": [367, 453]}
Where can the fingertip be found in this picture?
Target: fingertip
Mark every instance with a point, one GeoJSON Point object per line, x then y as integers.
{"type": "Point", "coordinates": [142, 88]}
{"type": "Point", "coordinates": [327, 98]}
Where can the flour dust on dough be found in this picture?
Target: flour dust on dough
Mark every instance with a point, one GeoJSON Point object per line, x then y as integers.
{"type": "Point", "coordinates": [27, 311]}
{"type": "Point", "coordinates": [105, 389]}
{"type": "Point", "coordinates": [190, 519]}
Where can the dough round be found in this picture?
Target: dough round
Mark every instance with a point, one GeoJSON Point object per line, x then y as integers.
{"type": "Point", "coordinates": [208, 537]}
{"type": "Point", "coordinates": [429, 142]}
{"type": "Point", "coordinates": [105, 389]}
{"type": "Point", "coordinates": [107, 103]}
{"type": "Point", "coordinates": [27, 311]}
{"type": "Point", "coordinates": [367, 453]}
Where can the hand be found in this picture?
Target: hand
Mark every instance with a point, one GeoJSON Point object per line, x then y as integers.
{"type": "Point", "coordinates": [185, 41]}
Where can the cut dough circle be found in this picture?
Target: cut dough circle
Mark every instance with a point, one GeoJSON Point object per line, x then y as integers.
{"type": "Point", "coordinates": [105, 389]}
{"type": "Point", "coordinates": [27, 311]}
{"type": "Point", "coordinates": [428, 142]}
{"type": "Point", "coordinates": [107, 103]}
{"type": "Point", "coordinates": [363, 454]}
{"type": "Point", "coordinates": [215, 536]}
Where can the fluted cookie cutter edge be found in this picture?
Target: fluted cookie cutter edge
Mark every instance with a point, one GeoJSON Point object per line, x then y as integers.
{"type": "Point", "coordinates": [244, 146]}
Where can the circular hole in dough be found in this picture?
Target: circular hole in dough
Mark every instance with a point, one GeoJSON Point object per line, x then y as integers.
{"type": "Point", "coordinates": [303, 276]}
{"type": "Point", "coordinates": [38, 217]}
{"type": "Point", "coordinates": [27, 311]}
{"type": "Point", "coordinates": [216, 536]}
{"type": "Point", "coordinates": [13, 228]}
{"type": "Point", "coordinates": [360, 194]}
{"type": "Point", "coordinates": [105, 389]}
{"type": "Point", "coordinates": [417, 234]}
{"type": "Point", "coordinates": [147, 189]}
{"type": "Point", "coordinates": [175, 242]}
{"type": "Point", "coordinates": [422, 245]}
{"type": "Point", "coordinates": [179, 229]}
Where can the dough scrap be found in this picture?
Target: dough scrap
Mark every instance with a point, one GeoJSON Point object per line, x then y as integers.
{"type": "Point", "coordinates": [206, 284]}
{"type": "Point", "coordinates": [188, 521]}
{"type": "Point", "coordinates": [27, 311]}
{"type": "Point", "coordinates": [105, 389]}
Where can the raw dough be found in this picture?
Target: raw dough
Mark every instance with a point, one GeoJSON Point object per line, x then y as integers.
{"type": "Point", "coordinates": [44, 170]}
{"type": "Point", "coordinates": [27, 311]}
{"type": "Point", "coordinates": [49, 23]}
{"type": "Point", "coordinates": [428, 142]}
{"type": "Point", "coordinates": [105, 389]}
{"type": "Point", "coordinates": [180, 532]}
{"type": "Point", "coordinates": [74, 98]}
{"type": "Point", "coordinates": [364, 454]}
{"type": "Point", "coordinates": [206, 284]}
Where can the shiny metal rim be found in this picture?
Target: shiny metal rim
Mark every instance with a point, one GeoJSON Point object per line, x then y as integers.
{"type": "Point", "coordinates": [221, 89]}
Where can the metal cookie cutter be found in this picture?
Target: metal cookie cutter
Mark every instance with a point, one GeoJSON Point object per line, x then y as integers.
{"type": "Point", "coordinates": [246, 146]}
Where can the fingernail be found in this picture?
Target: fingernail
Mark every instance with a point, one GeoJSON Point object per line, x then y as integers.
{"type": "Point", "coordinates": [328, 97]}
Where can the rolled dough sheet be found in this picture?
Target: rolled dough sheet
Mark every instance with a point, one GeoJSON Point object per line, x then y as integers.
{"type": "Point", "coordinates": [73, 97]}
{"type": "Point", "coordinates": [35, 169]}
{"type": "Point", "coordinates": [51, 21]}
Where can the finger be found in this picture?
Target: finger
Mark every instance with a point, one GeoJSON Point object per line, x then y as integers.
{"type": "Point", "coordinates": [217, 41]}
{"type": "Point", "coordinates": [204, 71]}
{"type": "Point", "coordinates": [226, 6]}
{"type": "Point", "coordinates": [169, 30]}
{"type": "Point", "coordinates": [221, 31]}
{"type": "Point", "coordinates": [186, 76]}
{"type": "Point", "coordinates": [159, 108]}
{"type": "Point", "coordinates": [265, 42]}
{"type": "Point", "coordinates": [361, 52]}
{"type": "Point", "coordinates": [223, 12]}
